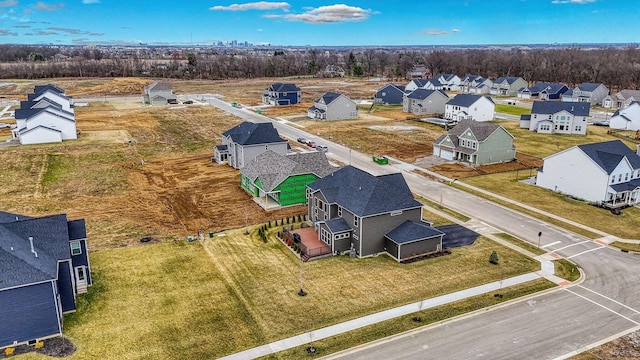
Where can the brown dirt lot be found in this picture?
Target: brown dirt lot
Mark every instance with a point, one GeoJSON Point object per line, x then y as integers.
{"type": "Point", "coordinates": [458, 171]}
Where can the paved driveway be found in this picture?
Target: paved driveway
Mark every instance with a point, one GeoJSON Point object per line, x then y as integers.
{"type": "Point", "coordinates": [457, 236]}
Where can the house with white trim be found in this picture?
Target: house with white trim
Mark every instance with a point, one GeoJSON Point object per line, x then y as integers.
{"type": "Point", "coordinates": [606, 173]}
{"type": "Point", "coordinates": [333, 106]}
{"type": "Point", "coordinates": [470, 107]}
{"type": "Point", "coordinates": [555, 117]}
{"type": "Point", "coordinates": [627, 118]}
{"type": "Point", "coordinates": [621, 99]}
{"type": "Point", "coordinates": [507, 86]}
{"type": "Point", "coordinates": [592, 93]}
{"type": "Point", "coordinates": [477, 143]}
{"type": "Point", "coordinates": [423, 102]}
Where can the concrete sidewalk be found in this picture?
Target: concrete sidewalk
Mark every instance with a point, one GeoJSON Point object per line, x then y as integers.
{"type": "Point", "coordinates": [367, 320]}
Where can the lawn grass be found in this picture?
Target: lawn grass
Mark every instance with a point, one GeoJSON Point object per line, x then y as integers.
{"type": "Point", "coordinates": [521, 243]}
{"type": "Point", "coordinates": [434, 218]}
{"type": "Point", "coordinates": [566, 270]}
{"type": "Point", "coordinates": [266, 277]}
{"type": "Point", "coordinates": [433, 204]}
{"type": "Point", "coordinates": [512, 110]}
{"type": "Point", "coordinates": [631, 247]}
{"type": "Point", "coordinates": [505, 184]}
{"type": "Point", "coordinates": [405, 323]}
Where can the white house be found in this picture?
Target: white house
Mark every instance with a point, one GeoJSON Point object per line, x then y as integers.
{"type": "Point", "coordinates": [476, 84]}
{"type": "Point", "coordinates": [627, 118]}
{"type": "Point", "coordinates": [551, 117]}
{"type": "Point", "coordinates": [47, 116]}
{"type": "Point", "coordinates": [333, 106]}
{"type": "Point", "coordinates": [607, 173]}
{"type": "Point", "coordinates": [592, 93]}
{"type": "Point", "coordinates": [470, 107]}
{"type": "Point", "coordinates": [450, 82]}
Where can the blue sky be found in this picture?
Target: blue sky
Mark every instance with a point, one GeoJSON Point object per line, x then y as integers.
{"type": "Point", "coordinates": [318, 23]}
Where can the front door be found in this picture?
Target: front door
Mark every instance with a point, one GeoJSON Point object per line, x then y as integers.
{"type": "Point", "coordinates": [81, 279]}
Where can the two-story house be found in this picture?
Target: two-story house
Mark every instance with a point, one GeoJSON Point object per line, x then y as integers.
{"type": "Point", "coordinates": [282, 94]}
{"type": "Point", "coordinates": [47, 116]}
{"type": "Point", "coordinates": [450, 82]}
{"type": "Point", "coordinates": [389, 94]}
{"type": "Point", "coordinates": [592, 93]}
{"type": "Point", "coordinates": [543, 91]}
{"type": "Point", "coordinates": [276, 180]}
{"type": "Point", "coordinates": [507, 86]}
{"type": "Point", "coordinates": [476, 143]}
{"type": "Point", "coordinates": [353, 210]}
{"type": "Point", "coordinates": [244, 142]}
{"type": "Point", "coordinates": [606, 173]}
{"type": "Point", "coordinates": [44, 265]}
{"type": "Point", "coordinates": [627, 118]}
{"type": "Point", "coordinates": [621, 99]}
{"type": "Point", "coordinates": [476, 84]}
{"type": "Point", "coordinates": [553, 117]}
{"type": "Point", "coordinates": [333, 106]}
{"type": "Point", "coordinates": [422, 102]}
{"type": "Point", "coordinates": [158, 93]}
{"type": "Point", "coordinates": [470, 107]}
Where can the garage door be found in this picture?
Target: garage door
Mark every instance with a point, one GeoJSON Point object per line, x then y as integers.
{"type": "Point", "coordinates": [446, 154]}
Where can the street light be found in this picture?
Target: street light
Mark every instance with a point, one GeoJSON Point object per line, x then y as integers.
{"type": "Point", "coordinates": [539, 235]}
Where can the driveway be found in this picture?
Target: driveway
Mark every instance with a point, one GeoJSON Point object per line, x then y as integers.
{"type": "Point", "coordinates": [457, 236]}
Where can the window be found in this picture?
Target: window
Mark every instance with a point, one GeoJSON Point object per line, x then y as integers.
{"type": "Point", "coordinates": [619, 177]}
{"type": "Point", "coordinates": [578, 128]}
{"type": "Point", "coordinates": [355, 221]}
{"type": "Point", "coordinates": [340, 211]}
{"type": "Point", "coordinates": [76, 249]}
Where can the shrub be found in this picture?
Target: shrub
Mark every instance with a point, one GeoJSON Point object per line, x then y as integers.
{"type": "Point", "coordinates": [9, 351]}
{"type": "Point", "coordinates": [494, 258]}
{"type": "Point", "coordinates": [39, 345]}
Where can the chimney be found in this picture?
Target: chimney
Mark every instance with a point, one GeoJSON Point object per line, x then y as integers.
{"type": "Point", "coordinates": [33, 250]}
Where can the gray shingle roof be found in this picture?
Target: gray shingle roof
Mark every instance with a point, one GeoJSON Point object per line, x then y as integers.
{"type": "Point", "coordinates": [337, 225]}
{"type": "Point", "coordinates": [364, 194]}
{"type": "Point", "coordinates": [552, 107]}
{"type": "Point", "coordinates": [626, 94]}
{"type": "Point", "coordinates": [481, 130]}
{"type": "Point", "coordinates": [39, 89]}
{"type": "Point", "coordinates": [272, 169]}
{"type": "Point", "coordinates": [248, 133]}
{"type": "Point", "coordinates": [608, 154]}
{"type": "Point", "coordinates": [466, 100]}
{"type": "Point", "coordinates": [159, 86]}
{"type": "Point", "coordinates": [18, 265]}
{"type": "Point", "coordinates": [508, 79]}
{"type": "Point", "coordinates": [329, 97]}
{"type": "Point", "coordinates": [626, 186]}
{"type": "Point", "coordinates": [421, 94]}
{"type": "Point", "coordinates": [588, 86]}
{"type": "Point", "coordinates": [283, 87]}
{"type": "Point", "coordinates": [553, 88]}
{"type": "Point", "coordinates": [410, 231]}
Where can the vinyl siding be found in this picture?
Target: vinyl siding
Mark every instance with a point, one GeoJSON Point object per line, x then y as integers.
{"type": "Point", "coordinates": [374, 229]}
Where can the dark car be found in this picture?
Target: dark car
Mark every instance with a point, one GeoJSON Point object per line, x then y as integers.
{"type": "Point", "coordinates": [188, 102]}
{"type": "Point", "coordinates": [302, 140]}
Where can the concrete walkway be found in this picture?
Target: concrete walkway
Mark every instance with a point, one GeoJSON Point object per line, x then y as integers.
{"type": "Point", "coordinates": [323, 333]}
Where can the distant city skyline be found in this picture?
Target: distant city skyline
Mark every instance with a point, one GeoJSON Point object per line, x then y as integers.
{"type": "Point", "coordinates": [319, 23]}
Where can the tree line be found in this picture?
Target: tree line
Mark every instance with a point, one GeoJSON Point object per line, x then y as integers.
{"type": "Point", "coordinates": [618, 68]}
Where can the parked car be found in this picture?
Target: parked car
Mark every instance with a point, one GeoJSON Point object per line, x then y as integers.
{"type": "Point", "coordinates": [311, 143]}
{"type": "Point", "coordinates": [322, 148]}
{"type": "Point", "coordinates": [302, 140]}
{"type": "Point", "coordinates": [188, 102]}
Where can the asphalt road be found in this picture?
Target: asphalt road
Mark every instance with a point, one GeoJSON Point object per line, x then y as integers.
{"type": "Point", "coordinates": [547, 326]}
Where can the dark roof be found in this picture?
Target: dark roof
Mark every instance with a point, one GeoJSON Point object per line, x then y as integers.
{"type": "Point", "coordinates": [422, 94]}
{"type": "Point", "coordinates": [411, 231]}
{"type": "Point", "coordinates": [159, 86]}
{"type": "Point", "coordinates": [525, 117]}
{"type": "Point", "coordinates": [626, 186]}
{"type": "Point", "coordinates": [420, 82]}
{"type": "Point", "coordinates": [39, 89]}
{"type": "Point", "coordinates": [77, 229]}
{"type": "Point", "coordinates": [535, 88]}
{"type": "Point", "coordinates": [222, 147]}
{"type": "Point", "coordinates": [364, 194]}
{"type": "Point", "coordinates": [51, 235]}
{"type": "Point", "coordinates": [447, 77]}
{"type": "Point", "coordinates": [588, 86]}
{"type": "Point", "coordinates": [466, 100]}
{"type": "Point", "coordinates": [272, 168]}
{"type": "Point", "coordinates": [284, 87]}
{"type": "Point", "coordinates": [337, 225]}
{"type": "Point", "coordinates": [29, 113]}
{"type": "Point", "coordinates": [552, 107]}
{"type": "Point", "coordinates": [248, 133]}
{"type": "Point", "coordinates": [471, 77]}
{"type": "Point", "coordinates": [6, 217]}
{"type": "Point", "coordinates": [329, 97]}
{"type": "Point", "coordinates": [398, 87]}
{"type": "Point", "coordinates": [608, 154]}
{"type": "Point", "coordinates": [481, 130]}
{"type": "Point", "coordinates": [553, 88]}
{"type": "Point", "coordinates": [509, 79]}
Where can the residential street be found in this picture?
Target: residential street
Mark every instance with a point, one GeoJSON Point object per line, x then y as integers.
{"type": "Point", "coordinates": [547, 326]}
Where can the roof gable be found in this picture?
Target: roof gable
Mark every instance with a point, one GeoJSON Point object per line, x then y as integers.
{"type": "Point", "coordinates": [248, 133]}
{"type": "Point", "coordinates": [607, 155]}
{"type": "Point", "coordinates": [466, 100]}
{"type": "Point", "coordinates": [552, 107]}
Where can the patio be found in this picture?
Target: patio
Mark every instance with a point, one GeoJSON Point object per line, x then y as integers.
{"type": "Point", "coordinates": [310, 244]}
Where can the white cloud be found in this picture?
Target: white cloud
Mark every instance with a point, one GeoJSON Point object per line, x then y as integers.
{"type": "Point", "coordinates": [328, 14]}
{"type": "Point", "coordinates": [90, 1]}
{"type": "Point", "coordinates": [572, 1]}
{"type": "Point", "coordinates": [438, 32]}
{"type": "Point", "coordinates": [47, 7]}
{"type": "Point", "coordinates": [260, 5]}
{"type": "Point", "coordinates": [8, 3]}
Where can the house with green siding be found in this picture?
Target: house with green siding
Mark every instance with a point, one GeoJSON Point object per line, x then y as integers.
{"type": "Point", "coordinates": [276, 180]}
{"type": "Point", "coordinates": [477, 143]}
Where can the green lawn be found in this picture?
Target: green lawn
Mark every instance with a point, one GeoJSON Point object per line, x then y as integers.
{"type": "Point", "coordinates": [504, 184]}
{"type": "Point", "coordinates": [512, 110]}
{"type": "Point", "coordinates": [521, 243]}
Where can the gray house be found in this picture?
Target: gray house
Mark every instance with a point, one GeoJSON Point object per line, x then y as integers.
{"type": "Point", "coordinates": [355, 211]}
{"type": "Point", "coordinates": [592, 93]}
{"type": "Point", "coordinates": [158, 93]}
{"type": "Point", "coordinates": [244, 142]}
{"type": "Point", "coordinates": [44, 265]}
{"type": "Point", "coordinates": [333, 106]}
{"type": "Point", "coordinates": [507, 86]}
{"type": "Point", "coordinates": [476, 143]}
{"type": "Point", "coordinates": [621, 99]}
{"type": "Point", "coordinates": [422, 102]}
